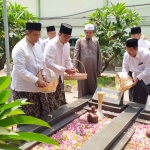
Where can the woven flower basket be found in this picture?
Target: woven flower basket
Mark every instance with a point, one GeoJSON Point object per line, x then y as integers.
{"type": "Point", "coordinates": [123, 81]}
{"type": "Point", "coordinates": [77, 76]}
{"type": "Point", "coordinates": [48, 76]}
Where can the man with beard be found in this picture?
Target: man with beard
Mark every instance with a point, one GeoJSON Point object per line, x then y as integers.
{"type": "Point", "coordinates": [87, 50]}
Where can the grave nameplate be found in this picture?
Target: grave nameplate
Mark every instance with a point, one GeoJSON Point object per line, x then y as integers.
{"type": "Point", "coordinates": [110, 96]}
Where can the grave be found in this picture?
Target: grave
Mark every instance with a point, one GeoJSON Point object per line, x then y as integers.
{"type": "Point", "coordinates": [115, 136]}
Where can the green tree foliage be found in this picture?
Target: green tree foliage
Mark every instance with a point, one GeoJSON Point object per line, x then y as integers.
{"type": "Point", "coordinates": [111, 24]}
{"type": "Point", "coordinates": [17, 17]}
{"type": "Point", "coordinates": [10, 115]}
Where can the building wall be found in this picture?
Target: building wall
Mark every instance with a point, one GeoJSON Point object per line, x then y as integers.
{"type": "Point", "coordinates": [57, 8]}
{"type": "Point", "coordinates": [31, 4]}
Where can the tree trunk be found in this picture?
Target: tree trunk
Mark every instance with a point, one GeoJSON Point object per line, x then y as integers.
{"type": "Point", "coordinates": [107, 62]}
{"type": "Point", "coordinates": [2, 61]}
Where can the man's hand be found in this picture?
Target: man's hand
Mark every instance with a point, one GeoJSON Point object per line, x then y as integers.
{"type": "Point", "coordinates": [70, 71]}
{"type": "Point", "coordinates": [99, 74]}
{"type": "Point", "coordinates": [135, 81]}
{"type": "Point", "coordinates": [41, 83]}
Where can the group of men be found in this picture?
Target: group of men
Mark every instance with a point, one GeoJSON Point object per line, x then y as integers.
{"type": "Point", "coordinates": [32, 54]}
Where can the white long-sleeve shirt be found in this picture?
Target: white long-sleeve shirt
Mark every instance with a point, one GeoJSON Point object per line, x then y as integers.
{"type": "Point", "coordinates": [57, 56]}
{"type": "Point", "coordinates": [144, 43]}
{"type": "Point", "coordinates": [28, 60]}
{"type": "Point", "coordinates": [41, 44]}
{"type": "Point", "coordinates": [139, 65]}
{"type": "Point", "coordinates": [45, 41]}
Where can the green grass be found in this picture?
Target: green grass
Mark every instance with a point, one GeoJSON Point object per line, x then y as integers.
{"type": "Point", "coordinates": [71, 82]}
{"type": "Point", "coordinates": [107, 82]}
{"type": "Point", "coordinates": [104, 81]}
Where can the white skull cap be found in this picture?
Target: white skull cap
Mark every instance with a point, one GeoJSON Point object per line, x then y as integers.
{"type": "Point", "coordinates": [89, 27]}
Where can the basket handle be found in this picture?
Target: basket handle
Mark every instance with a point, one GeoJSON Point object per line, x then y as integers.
{"type": "Point", "coordinates": [42, 70]}
{"type": "Point", "coordinates": [81, 64]}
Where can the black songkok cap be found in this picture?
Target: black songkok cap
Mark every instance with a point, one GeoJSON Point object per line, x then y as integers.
{"type": "Point", "coordinates": [132, 43]}
{"type": "Point", "coordinates": [135, 30]}
{"type": "Point", "coordinates": [50, 28]}
{"type": "Point", "coordinates": [65, 28]}
{"type": "Point", "coordinates": [33, 26]}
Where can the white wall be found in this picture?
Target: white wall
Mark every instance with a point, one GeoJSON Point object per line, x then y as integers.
{"type": "Point", "coordinates": [56, 8]}
{"type": "Point", "coordinates": [129, 2]}
{"type": "Point", "coordinates": [51, 8]}
{"type": "Point", "coordinates": [31, 4]}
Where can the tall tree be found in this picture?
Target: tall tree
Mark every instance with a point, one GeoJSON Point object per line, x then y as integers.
{"type": "Point", "coordinates": [111, 30]}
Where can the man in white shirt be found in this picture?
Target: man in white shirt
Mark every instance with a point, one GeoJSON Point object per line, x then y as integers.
{"type": "Point", "coordinates": [51, 32]}
{"type": "Point", "coordinates": [28, 61]}
{"type": "Point", "coordinates": [137, 60]}
{"type": "Point", "coordinates": [41, 43]}
{"type": "Point", "coordinates": [136, 34]}
{"type": "Point", "coordinates": [57, 58]}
